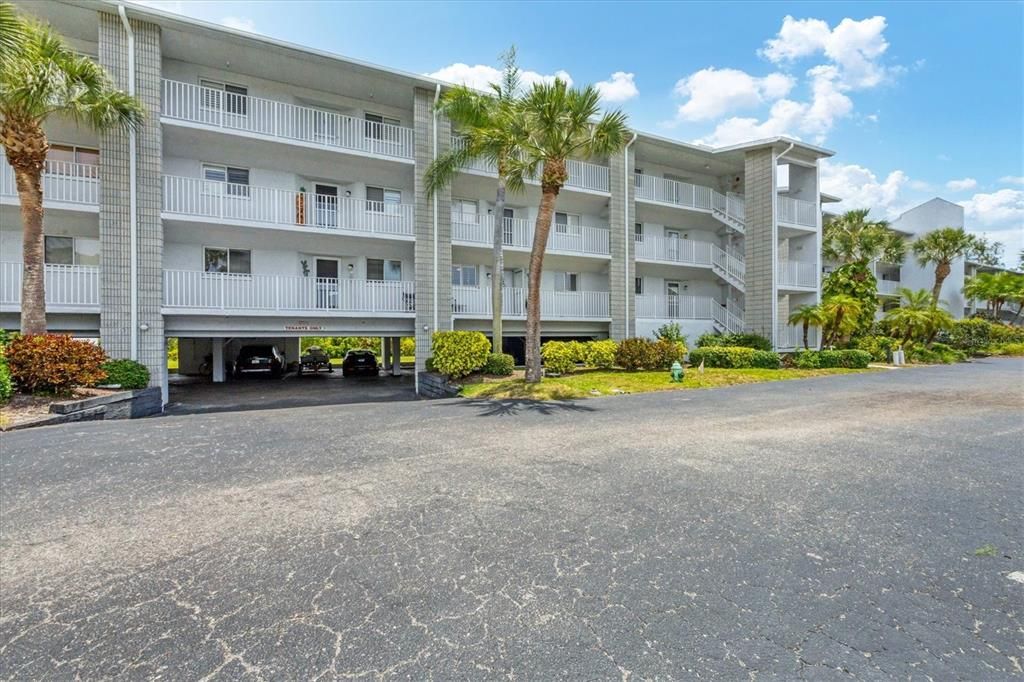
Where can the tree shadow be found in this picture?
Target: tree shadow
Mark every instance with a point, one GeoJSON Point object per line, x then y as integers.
{"type": "Point", "coordinates": [514, 406]}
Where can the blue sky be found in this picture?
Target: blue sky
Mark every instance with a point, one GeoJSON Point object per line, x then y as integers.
{"type": "Point", "coordinates": [917, 99]}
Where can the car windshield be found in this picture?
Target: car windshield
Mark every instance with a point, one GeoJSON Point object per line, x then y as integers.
{"type": "Point", "coordinates": [355, 353]}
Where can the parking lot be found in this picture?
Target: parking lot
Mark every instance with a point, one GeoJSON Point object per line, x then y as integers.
{"type": "Point", "coordinates": [194, 395]}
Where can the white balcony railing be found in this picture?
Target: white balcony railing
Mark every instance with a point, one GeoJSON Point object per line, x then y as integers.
{"type": "Point", "coordinates": [73, 286]}
{"type": "Point", "coordinates": [796, 212]}
{"type": "Point", "coordinates": [224, 201]}
{"type": "Point", "coordinates": [792, 337]}
{"type": "Point", "coordinates": [187, 289]}
{"type": "Point", "coordinates": [668, 191]}
{"type": "Point", "coordinates": [518, 233]}
{"type": "Point", "coordinates": [794, 273]}
{"type": "Point", "coordinates": [583, 305]}
{"type": "Point", "coordinates": [664, 307]}
{"type": "Point", "coordinates": [219, 109]}
{"type": "Point", "coordinates": [582, 175]}
{"type": "Point", "coordinates": [690, 252]}
{"type": "Point", "coordinates": [888, 287]}
{"type": "Point", "coordinates": [63, 181]}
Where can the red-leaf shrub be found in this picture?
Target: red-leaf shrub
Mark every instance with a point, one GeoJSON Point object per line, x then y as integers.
{"type": "Point", "coordinates": [54, 363]}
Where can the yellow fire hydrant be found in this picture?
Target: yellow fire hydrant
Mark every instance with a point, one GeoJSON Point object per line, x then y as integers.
{"type": "Point", "coordinates": [677, 372]}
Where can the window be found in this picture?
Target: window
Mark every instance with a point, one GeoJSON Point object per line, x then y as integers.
{"type": "Point", "coordinates": [638, 232]}
{"type": "Point", "coordinates": [383, 200]}
{"type": "Point", "coordinates": [465, 275]}
{"type": "Point", "coordinates": [237, 180]}
{"type": "Point", "coordinates": [567, 223]}
{"type": "Point", "coordinates": [376, 127]}
{"type": "Point", "coordinates": [71, 251]}
{"type": "Point", "coordinates": [383, 270]}
{"type": "Point", "coordinates": [637, 180]}
{"type": "Point", "coordinates": [64, 156]}
{"type": "Point", "coordinates": [231, 98]}
{"type": "Point", "coordinates": [638, 286]}
{"type": "Point", "coordinates": [566, 281]}
{"type": "Point", "coordinates": [465, 208]}
{"type": "Point", "coordinates": [220, 260]}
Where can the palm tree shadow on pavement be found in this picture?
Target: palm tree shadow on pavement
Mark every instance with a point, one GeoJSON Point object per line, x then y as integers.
{"type": "Point", "coordinates": [513, 407]}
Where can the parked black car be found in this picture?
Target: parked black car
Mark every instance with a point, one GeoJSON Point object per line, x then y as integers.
{"type": "Point", "coordinates": [360, 361]}
{"type": "Point", "coordinates": [314, 360]}
{"type": "Point", "coordinates": [260, 359]}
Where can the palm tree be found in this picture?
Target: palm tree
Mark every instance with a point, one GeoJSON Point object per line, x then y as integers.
{"type": "Point", "coordinates": [839, 314]}
{"type": "Point", "coordinates": [559, 125]}
{"type": "Point", "coordinates": [852, 238]}
{"type": "Point", "coordinates": [12, 32]}
{"type": "Point", "coordinates": [44, 77]}
{"type": "Point", "coordinates": [942, 247]}
{"type": "Point", "coordinates": [491, 131]}
{"type": "Point", "coordinates": [916, 316]}
{"type": "Point", "coordinates": [808, 316]}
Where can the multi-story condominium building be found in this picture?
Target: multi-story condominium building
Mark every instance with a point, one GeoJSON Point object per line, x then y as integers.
{"type": "Point", "coordinates": [277, 192]}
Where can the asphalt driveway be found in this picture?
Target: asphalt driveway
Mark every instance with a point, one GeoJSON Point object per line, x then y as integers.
{"type": "Point", "coordinates": [815, 528]}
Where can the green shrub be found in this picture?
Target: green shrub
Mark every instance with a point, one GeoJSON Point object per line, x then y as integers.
{"type": "Point", "coordinates": [499, 364]}
{"type": "Point", "coordinates": [6, 388]}
{"type": "Point", "coordinates": [5, 338]}
{"type": "Point", "coordinates": [938, 353]}
{"type": "Point", "coordinates": [878, 347]}
{"type": "Point", "coordinates": [561, 357]}
{"type": "Point", "coordinates": [638, 353]}
{"type": "Point", "coordinates": [126, 373]}
{"type": "Point", "coordinates": [669, 351]}
{"type": "Point", "coordinates": [850, 358]}
{"type": "Point", "coordinates": [54, 363]}
{"type": "Point", "coordinates": [735, 357]}
{"type": "Point", "coordinates": [407, 346]}
{"type": "Point", "coordinates": [765, 359]}
{"type": "Point", "coordinates": [1005, 349]}
{"type": "Point", "coordinates": [601, 354]}
{"type": "Point", "coordinates": [1004, 333]}
{"type": "Point", "coordinates": [670, 331]}
{"type": "Point", "coordinates": [807, 359]}
{"type": "Point", "coordinates": [734, 340]}
{"type": "Point", "coordinates": [457, 354]}
{"type": "Point", "coordinates": [968, 335]}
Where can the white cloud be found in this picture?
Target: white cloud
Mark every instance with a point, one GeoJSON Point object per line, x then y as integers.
{"type": "Point", "coordinates": [240, 23]}
{"type": "Point", "coordinates": [619, 88]}
{"type": "Point", "coordinates": [480, 76]}
{"type": "Point", "coordinates": [943, 157]}
{"type": "Point", "coordinates": [784, 117]}
{"type": "Point", "coordinates": [859, 187]}
{"type": "Point", "coordinates": [713, 92]}
{"type": "Point", "coordinates": [961, 185]}
{"type": "Point", "coordinates": [1012, 179]}
{"type": "Point", "coordinates": [1000, 210]}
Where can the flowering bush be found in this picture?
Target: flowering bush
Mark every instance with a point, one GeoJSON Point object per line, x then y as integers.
{"type": "Point", "coordinates": [457, 354]}
{"type": "Point", "coordinates": [601, 354]}
{"type": "Point", "coordinates": [54, 363]}
{"type": "Point", "coordinates": [561, 357]}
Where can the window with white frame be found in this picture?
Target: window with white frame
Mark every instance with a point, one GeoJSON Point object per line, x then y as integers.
{"type": "Point", "coordinates": [638, 286]}
{"type": "Point", "coordinates": [567, 223]}
{"type": "Point", "coordinates": [218, 96]}
{"type": "Point", "coordinates": [383, 270]}
{"type": "Point", "coordinates": [378, 127]}
{"type": "Point", "coordinates": [465, 275]}
{"type": "Point", "coordinates": [222, 260]}
{"type": "Point", "coordinates": [71, 251]}
{"type": "Point", "coordinates": [465, 210]}
{"type": "Point", "coordinates": [80, 162]}
{"type": "Point", "coordinates": [567, 281]}
{"type": "Point", "coordinates": [383, 200]}
{"type": "Point", "coordinates": [230, 181]}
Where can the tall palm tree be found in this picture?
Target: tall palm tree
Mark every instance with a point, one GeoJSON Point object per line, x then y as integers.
{"type": "Point", "coordinates": [807, 316]}
{"type": "Point", "coordinates": [839, 313]}
{"type": "Point", "coordinates": [44, 77]}
{"type": "Point", "coordinates": [852, 238]}
{"type": "Point", "coordinates": [491, 130]}
{"type": "Point", "coordinates": [941, 247]}
{"type": "Point", "coordinates": [12, 32]}
{"type": "Point", "coordinates": [559, 124]}
{"type": "Point", "coordinates": [915, 316]}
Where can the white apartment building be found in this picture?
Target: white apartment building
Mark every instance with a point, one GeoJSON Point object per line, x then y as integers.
{"type": "Point", "coordinates": [277, 192]}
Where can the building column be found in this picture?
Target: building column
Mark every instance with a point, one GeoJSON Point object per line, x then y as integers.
{"type": "Point", "coordinates": [386, 354]}
{"type": "Point", "coordinates": [116, 285]}
{"type": "Point", "coordinates": [760, 241]}
{"type": "Point", "coordinates": [622, 269]}
{"type": "Point", "coordinates": [433, 250]}
{"type": "Point", "coordinates": [217, 349]}
{"type": "Point", "coordinates": [164, 383]}
{"type": "Point", "coordinates": [396, 356]}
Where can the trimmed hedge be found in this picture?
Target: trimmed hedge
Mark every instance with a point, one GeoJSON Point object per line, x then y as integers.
{"type": "Point", "coordinates": [499, 364]}
{"type": "Point", "coordinates": [126, 373]}
{"type": "Point", "coordinates": [458, 354]}
{"type": "Point", "coordinates": [735, 357]}
{"type": "Point", "coordinates": [825, 359]}
{"type": "Point", "coordinates": [638, 353]}
{"type": "Point", "coordinates": [560, 357]}
{"type": "Point", "coordinates": [54, 363]}
{"type": "Point", "coordinates": [669, 351]}
{"type": "Point", "coordinates": [601, 354]}
{"type": "Point", "coordinates": [755, 341]}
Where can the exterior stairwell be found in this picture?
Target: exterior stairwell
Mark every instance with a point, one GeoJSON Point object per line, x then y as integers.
{"type": "Point", "coordinates": [730, 268]}
{"type": "Point", "coordinates": [728, 210]}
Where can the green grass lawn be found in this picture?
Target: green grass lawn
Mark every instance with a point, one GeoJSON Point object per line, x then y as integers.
{"type": "Point", "coordinates": [588, 383]}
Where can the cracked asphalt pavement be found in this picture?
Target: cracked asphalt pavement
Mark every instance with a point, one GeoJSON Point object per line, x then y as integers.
{"type": "Point", "coordinates": [816, 528]}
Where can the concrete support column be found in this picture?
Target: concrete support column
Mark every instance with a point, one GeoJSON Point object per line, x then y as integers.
{"type": "Point", "coordinates": [218, 360]}
{"type": "Point", "coordinates": [386, 356]}
{"type": "Point", "coordinates": [761, 244]}
{"type": "Point", "coordinates": [164, 385]}
{"type": "Point", "coordinates": [622, 269]}
{"type": "Point", "coordinates": [396, 357]}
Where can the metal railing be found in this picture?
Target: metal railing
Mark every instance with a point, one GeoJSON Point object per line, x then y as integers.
{"type": "Point", "coordinates": [796, 212]}
{"type": "Point", "coordinates": [476, 301]}
{"type": "Point", "coordinates": [689, 252]}
{"type": "Point", "coordinates": [682, 307]}
{"type": "Point", "coordinates": [195, 290]}
{"type": "Point", "coordinates": [582, 174]}
{"type": "Point", "coordinates": [728, 206]}
{"type": "Point", "coordinates": [797, 273]}
{"type": "Point", "coordinates": [789, 336]}
{"type": "Point", "coordinates": [204, 198]}
{"type": "Point", "coordinates": [73, 183]}
{"type": "Point", "coordinates": [475, 228]}
{"type": "Point", "coordinates": [65, 285]}
{"type": "Point", "coordinates": [220, 109]}
{"type": "Point", "coordinates": [888, 287]}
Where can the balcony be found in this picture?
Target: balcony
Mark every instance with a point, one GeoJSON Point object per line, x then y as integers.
{"type": "Point", "coordinates": [69, 288]}
{"type": "Point", "coordinates": [799, 274]}
{"type": "Point", "coordinates": [796, 212]}
{"type": "Point", "coordinates": [264, 206]}
{"type": "Point", "coordinates": [727, 208]}
{"type": "Point", "coordinates": [585, 176]}
{"type": "Point", "coordinates": [270, 119]}
{"type": "Point", "coordinates": [727, 318]}
{"type": "Point", "coordinates": [691, 252]}
{"type": "Point", "coordinates": [554, 305]}
{"type": "Point", "coordinates": [789, 337]}
{"type": "Point", "coordinates": [517, 233]}
{"type": "Point", "coordinates": [889, 287]}
{"type": "Point", "coordinates": [192, 292]}
{"type": "Point", "coordinates": [66, 185]}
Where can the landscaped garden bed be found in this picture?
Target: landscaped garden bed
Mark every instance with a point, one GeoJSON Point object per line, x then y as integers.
{"type": "Point", "coordinates": [24, 408]}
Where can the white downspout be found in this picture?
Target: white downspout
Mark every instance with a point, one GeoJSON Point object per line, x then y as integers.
{"type": "Point", "coordinates": [132, 201]}
{"type": "Point", "coordinates": [437, 96]}
{"type": "Point", "coordinates": [625, 213]}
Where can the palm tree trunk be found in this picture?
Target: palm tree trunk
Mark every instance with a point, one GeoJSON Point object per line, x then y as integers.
{"type": "Point", "coordinates": [498, 267]}
{"type": "Point", "coordinates": [540, 241]}
{"type": "Point", "coordinates": [941, 273]}
{"type": "Point", "coordinates": [806, 325]}
{"type": "Point", "coordinates": [33, 286]}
